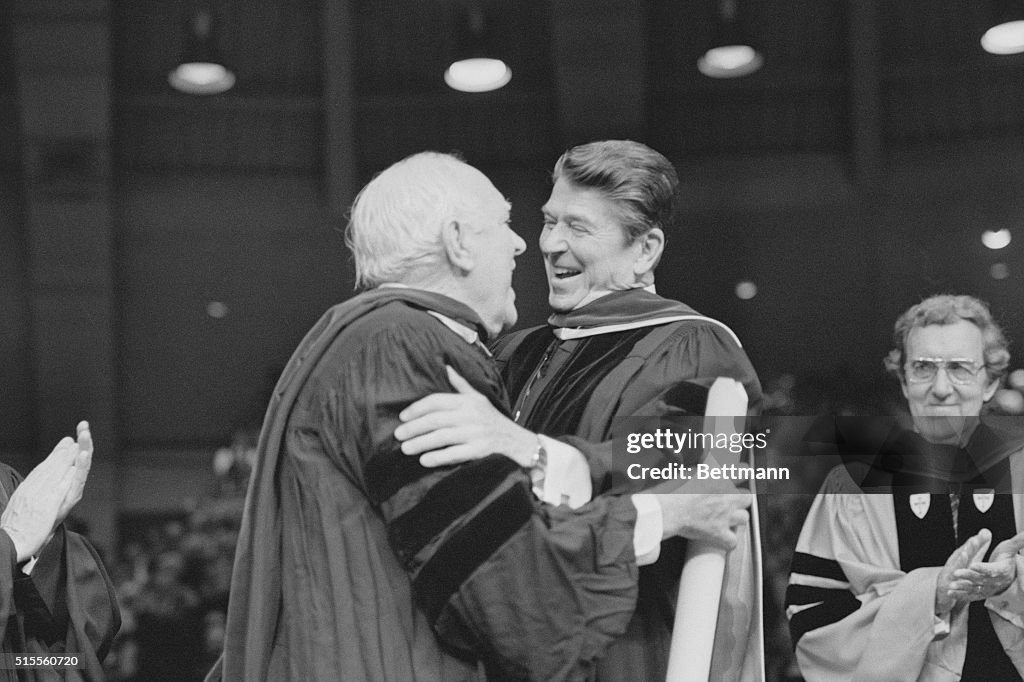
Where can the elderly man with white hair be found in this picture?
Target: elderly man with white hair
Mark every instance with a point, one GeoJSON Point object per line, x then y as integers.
{"type": "Point", "coordinates": [356, 562]}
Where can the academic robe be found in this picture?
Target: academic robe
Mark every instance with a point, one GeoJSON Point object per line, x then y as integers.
{"type": "Point", "coordinates": [627, 354]}
{"type": "Point", "coordinates": [354, 562]}
{"type": "Point", "coordinates": [861, 596]}
{"type": "Point", "coordinates": [66, 606]}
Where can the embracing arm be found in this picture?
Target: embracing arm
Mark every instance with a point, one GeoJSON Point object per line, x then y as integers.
{"type": "Point", "coordinates": [464, 425]}
{"type": "Point", "coordinates": [499, 576]}
{"type": "Point", "coordinates": [452, 428]}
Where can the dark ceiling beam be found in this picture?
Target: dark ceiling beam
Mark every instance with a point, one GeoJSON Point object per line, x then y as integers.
{"type": "Point", "coordinates": [509, 127]}
{"type": "Point", "coordinates": [865, 93]}
{"type": "Point", "coordinates": [339, 104]}
{"type": "Point", "coordinates": [18, 431]}
{"type": "Point", "coordinates": [599, 50]}
{"type": "Point", "coordinates": [867, 158]}
{"type": "Point", "coordinates": [265, 133]}
{"type": "Point", "coordinates": [285, 133]}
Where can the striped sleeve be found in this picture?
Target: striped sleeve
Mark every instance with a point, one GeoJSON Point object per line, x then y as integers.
{"type": "Point", "coordinates": [531, 591]}
{"type": "Point", "coordinates": [853, 613]}
{"type": "Point", "coordinates": [450, 553]}
{"type": "Point", "coordinates": [818, 594]}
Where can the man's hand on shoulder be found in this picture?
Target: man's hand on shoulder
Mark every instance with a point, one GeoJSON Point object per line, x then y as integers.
{"type": "Point", "coordinates": [451, 428]}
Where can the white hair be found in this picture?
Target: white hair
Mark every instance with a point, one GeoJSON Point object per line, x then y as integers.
{"type": "Point", "coordinates": [396, 220]}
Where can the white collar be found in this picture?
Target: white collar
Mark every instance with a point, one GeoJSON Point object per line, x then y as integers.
{"type": "Point", "coordinates": [467, 334]}
{"type": "Point", "coordinates": [567, 333]}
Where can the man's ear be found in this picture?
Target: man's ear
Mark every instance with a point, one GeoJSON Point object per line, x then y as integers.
{"type": "Point", "coordinates": [651, 246]}
{"type": "Point", "coordinates": [454, 239]}
{"type": "Point", "coordinates": [990, 388]}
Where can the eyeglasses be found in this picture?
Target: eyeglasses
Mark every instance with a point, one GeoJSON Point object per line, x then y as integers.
{"type": "Point", "coordinates": [924, 370]}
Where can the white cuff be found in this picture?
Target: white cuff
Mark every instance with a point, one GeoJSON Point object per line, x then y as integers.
{"type": "Point", "coordinates": [567, 480]}
{"type": "Point", "coordinates": [1010, 604]}
{"type": "Point", "coordinates": [940, 625]}
{"type": "Point", "coordinates": [648, 530]}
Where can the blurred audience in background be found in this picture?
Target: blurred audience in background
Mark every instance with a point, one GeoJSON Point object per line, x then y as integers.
{"type": "Point", "coordinates": [172, 580]}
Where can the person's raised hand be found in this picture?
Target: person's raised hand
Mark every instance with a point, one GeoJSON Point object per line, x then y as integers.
{"type": "Point", "coordinates": [950, 590]}
{"type": "Point", "coordinates": [451, 428]}
{"type": "Point", "coordinates": [705, 511]}
{"type": "Point", "coordinates": [82, 465]}
{"type": "Point", "coordinates": [49, 492]}
{"type": "Point", "coordinates": [984, 579]}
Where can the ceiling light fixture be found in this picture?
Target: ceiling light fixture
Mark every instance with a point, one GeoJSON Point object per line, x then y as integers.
{"type": "Point", "coordinates": [996, 239]}
{"type": "Point", "coordinates": [201, 71]}
{"type": "Point", "coordinates": [1006, 34]}
{"type": "Point", "coordinates": [731, 53]}
{"type": "Point", "coordinates": [477, 69]}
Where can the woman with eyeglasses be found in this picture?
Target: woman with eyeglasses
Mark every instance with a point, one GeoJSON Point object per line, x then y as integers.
{"type": "Point", "coordinates": [924, 580]}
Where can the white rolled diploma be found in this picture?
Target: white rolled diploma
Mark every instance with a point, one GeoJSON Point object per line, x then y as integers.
{"type": "Point", "coordinates": [700, 585]}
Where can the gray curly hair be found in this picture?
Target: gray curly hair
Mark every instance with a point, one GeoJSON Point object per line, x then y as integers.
{"type": "Point", "coordinates": [949, 309]}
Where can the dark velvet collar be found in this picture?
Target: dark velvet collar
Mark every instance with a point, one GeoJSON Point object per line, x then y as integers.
{"type": "Point", "coordinates": [909, 457]}
{"type": "Point", "coordinates": [439, 303]}
{"type": "Point", "coordinates": [632, 305]}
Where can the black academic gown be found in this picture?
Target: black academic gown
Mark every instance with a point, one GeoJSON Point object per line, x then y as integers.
{"type": "Point", "coordinates": [66, 606]}
{"type": "Point", "coordinates": [354, 562]}
{"type": "Point", "coordinates": [575, 389]}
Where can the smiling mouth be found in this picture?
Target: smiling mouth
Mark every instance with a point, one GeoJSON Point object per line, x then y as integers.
{"type": "Point", "coordinates": [562, 273]}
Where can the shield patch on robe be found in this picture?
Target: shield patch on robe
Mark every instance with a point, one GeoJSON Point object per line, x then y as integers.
{"type": "Point", "coordinates": [919, 504]}
{"type": "Point", "coordinates": [983, 499]}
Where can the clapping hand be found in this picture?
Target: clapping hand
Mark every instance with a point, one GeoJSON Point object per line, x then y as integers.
{"type": "Point", "coordinates": [984, 579]}
{"type": "Point", "coordinates": [48, 494]}
{"type": "Point", "coordinates": [949, 590]}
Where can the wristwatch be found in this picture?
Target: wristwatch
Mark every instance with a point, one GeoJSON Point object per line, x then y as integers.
{"type": "Point", "coordinates": [539, 465]}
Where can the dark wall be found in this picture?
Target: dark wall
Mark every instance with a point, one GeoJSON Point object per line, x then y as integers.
{"type": "Point", "coordinates": [267, 249]}
{"type": "Point", "coordinates": [16, 405]}
{"type": "Point", "coordinates": [16, 402]}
